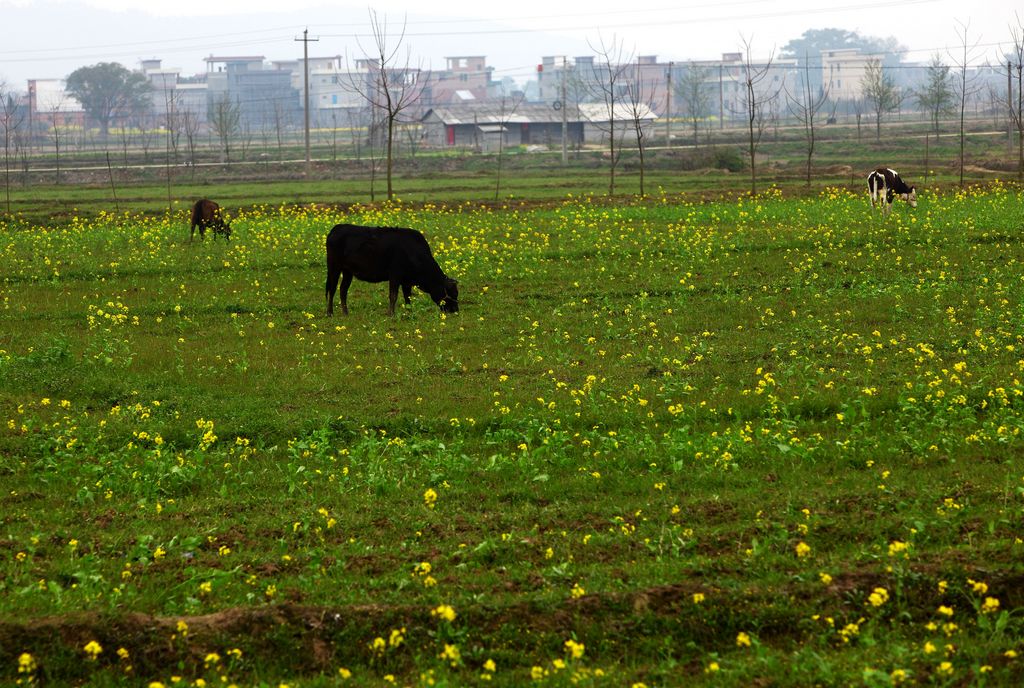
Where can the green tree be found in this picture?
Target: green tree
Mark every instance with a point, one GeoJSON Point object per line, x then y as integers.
{"type": "Point", "coordinates": [108, 90]}
{"type": "Point", "coordinates": [880, 92]}
{"type": "Point", "coordinates": [808, 48]}
{"type": "Point", "coordinates": [936, 96]}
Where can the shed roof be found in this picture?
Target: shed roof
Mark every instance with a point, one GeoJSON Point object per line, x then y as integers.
{"type": "Point", "coordinates": [491, 113]}
{"type": "Point", "coordinates": [599, 112]}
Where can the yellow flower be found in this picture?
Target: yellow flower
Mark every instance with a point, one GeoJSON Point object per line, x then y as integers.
{"type": "Point", "coordinates": [429, 498]}
{"type": "Point", "coordinates": [945, 668]}
{"type": "Point", "coordinates": [802, 549]}
{"type": "Point", "coordinates": [574, 648]}
{"type": "Point", "coordinates": [577, 591]}
{"type": "Point", "coordinates": [26, 663]}
{"type": "Point", "coordinates": [93, 649]}
{"type": "Point", "coordinates": [824, 578]}
{"type": "Point", "coordinates": [537, 673]}
{"type": "Point", "coordinates": [698, 597]}
{"type": "Point", "coordinates": [490, 666]}
{"type": "Point", "coordinates": [742, 639]}
{"type": "Point", "coordinates": [711, 668]}
{"type": "Point", "coordinates": [945, 611]}
{"type": "Point", "coordinates": [451, 654]}
{"type": "Point", "coordinates": [878, 597]}
{"type": "Point", "coordinates": [444, 611]}
{"type": "Point", "coordinates": [978, 586]}
{"type": "Point", "coordinates": [344, 673]}
{"type": "Point", "coordinates": [991, 605]}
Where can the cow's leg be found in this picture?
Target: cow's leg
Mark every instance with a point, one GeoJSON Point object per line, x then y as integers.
{"type": "Point", "coordinates": [406, 292]}
{"type": "Point", "coordinates": [192, 234]}
{"type": "Point", "coordinates": [392, 295]}
{"type": "Point", "coordinates": [346, 280]}
{"type": "Point", "coordinates": [333, 273]}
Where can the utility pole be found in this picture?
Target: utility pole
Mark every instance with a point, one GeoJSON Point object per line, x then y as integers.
{"type": "Point", "coordinates": [668, 105]}
{"type": "Point", "coordinates": [721, 98]}
{"type": "Point", "coordinates": [565, 116]}
{"type": "Point", "coordinates": [305, 82]}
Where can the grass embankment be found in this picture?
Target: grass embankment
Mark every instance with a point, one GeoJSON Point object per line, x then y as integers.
{"type": "Point", "coordinates": [771, 440]}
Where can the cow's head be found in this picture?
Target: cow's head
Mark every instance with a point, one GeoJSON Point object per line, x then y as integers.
{"type": "Point", "coordinates": [225, 225]}
{"type": "Point", "coordinates": [449, 300]}
{"type": "Point", "coordinates": [911, 197]}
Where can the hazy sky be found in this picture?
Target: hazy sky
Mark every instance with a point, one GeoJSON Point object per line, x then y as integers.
{"type": "Point", "coordinates": [49, 38]}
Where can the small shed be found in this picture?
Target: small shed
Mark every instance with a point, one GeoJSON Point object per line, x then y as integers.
{"type": "Point", "coordinates": [481, 126]}
{"type": "Point", "coordinates": [598, 120]}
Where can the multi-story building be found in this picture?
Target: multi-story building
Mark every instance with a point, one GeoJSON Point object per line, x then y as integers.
{"type": "Point", "coordinates": [585, 80]}
{"type": "Point", "coordinates": [262, 92]}
{"type": "Point", "coordinates": [843, 71]}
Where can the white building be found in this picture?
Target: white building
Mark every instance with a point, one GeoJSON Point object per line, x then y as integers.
{"type": "Point", "coordinates": [842, 72]}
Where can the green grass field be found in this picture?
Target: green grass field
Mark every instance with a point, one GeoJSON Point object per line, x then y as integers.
{"type": "Point", "coordinates": [765, 441]}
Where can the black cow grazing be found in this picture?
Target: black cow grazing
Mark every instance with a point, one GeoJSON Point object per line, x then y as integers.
{"type": "Point", "coordinates": [397, 255]}
{"type": "Point", "coordinates": [884, 184]}
{"type": "Point", "coordinates": [206, 213]}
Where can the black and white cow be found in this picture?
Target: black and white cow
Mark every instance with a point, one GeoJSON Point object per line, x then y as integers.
{"type": "Point", "coordinates": [884, 184]}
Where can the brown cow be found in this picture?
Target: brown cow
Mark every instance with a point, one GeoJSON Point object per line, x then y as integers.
{"type": "Point", "coordinates": [206, 213]}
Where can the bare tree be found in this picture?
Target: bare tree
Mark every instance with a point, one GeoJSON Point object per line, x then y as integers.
{"type": "Point", "coordinates": [225, 118]}
{"type": "Point", "coordinates": [12, 115]}
{"type": "Point", "coordinates": [806, 106]}
{"type": "Point", "coordinates": [190, 127]}
{"type": "Point", "coordinates": [880, 92]}
{"type": "Point", "coordinates": [124, 133]}
{"type": "Point", "coordinates": [606, 87]}
{"type": "Point", "coordinates": [639, 107]}
{"type": "Point", "coordinates": [696, 97]}
{"type": "Point", "coordinates": [964, 83]}
{"type": "Point", "coordinates": [936, 96]}
{"type": "Point", "coordinates": [755, 101]}
{"type": "Point", "coordinates": [55, 130]}
{"type": "Point", "coordinates": [279, 116]}
{"type": "Point", "coordinates": [1016, 109]}
{"type": "Point", "coordinates": [506, 109]}
{"type": "Point", "coordinates": [172, 121]}
{"type": "Point", "coordinates": [393, 86]}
